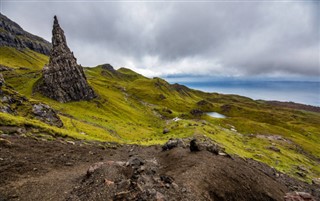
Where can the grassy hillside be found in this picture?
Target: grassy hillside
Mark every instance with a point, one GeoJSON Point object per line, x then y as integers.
{"type": "Point", "coordinates": [131, 108]}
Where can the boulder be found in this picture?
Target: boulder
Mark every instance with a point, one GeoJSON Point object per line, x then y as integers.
{"type": "Point", "coordinates": [194, 146]}
{"type": "Point", "coordinates": [165, 131]}
{"type": "Point", "coordinates": [206, 145]}
{"type": "Point", "coordinates": [273, 148]}
{"type": "Point", "coordinates": [46, 114]}
{"type": "Point", "coordinates": [196, 112]}
{"type": "Point", "coordinates": [172, 143]}
{"type": "Point", "coordinates": [135, 162]}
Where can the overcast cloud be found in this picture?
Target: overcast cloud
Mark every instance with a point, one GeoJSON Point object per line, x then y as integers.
{"type": "Point", "coordinates": [175, 38]}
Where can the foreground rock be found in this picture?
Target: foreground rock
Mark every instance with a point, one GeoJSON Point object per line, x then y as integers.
{"type": "Point", "coordinates": [46, 114]}
{"type": "Point", "coordinates": [196, 144]}
{"type": "Point", "coordinates": [63, 79]}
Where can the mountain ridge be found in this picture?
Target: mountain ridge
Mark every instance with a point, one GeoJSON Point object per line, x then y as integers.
{"type": "Point", "coordinates": [12, 35]}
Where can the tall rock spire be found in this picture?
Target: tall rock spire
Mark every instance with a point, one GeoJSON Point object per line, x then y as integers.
{"type": "Point", "coordinates": [63, 79]}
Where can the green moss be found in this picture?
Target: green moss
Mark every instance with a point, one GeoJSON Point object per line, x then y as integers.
{"type": "Point", "coordinates": [14, 58]}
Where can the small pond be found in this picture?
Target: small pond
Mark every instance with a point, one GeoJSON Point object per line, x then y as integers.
{"type": "Point", "coordinates": [216, 115]}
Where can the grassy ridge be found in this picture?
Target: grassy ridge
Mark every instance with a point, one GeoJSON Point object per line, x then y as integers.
{"type": "Point", "coordinates": [135, 109]}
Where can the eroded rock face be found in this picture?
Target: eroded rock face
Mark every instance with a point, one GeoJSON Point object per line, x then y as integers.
{"type": "Point", "coordinates": [63, 79]}
{"type": "Point", "coordinates": [12, 35]}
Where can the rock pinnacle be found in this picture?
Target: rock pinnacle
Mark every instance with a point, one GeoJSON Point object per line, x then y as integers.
{"type": "Point", "coordinates": [63, 79]}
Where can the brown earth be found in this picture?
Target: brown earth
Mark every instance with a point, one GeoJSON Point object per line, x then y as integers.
{"type": "Point", "coordinates": [37, 169]}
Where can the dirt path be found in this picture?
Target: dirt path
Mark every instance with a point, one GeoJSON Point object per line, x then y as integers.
{"type": "Point", "coordinates": [54, 185]}
{"type": "Point", "coordinates": [57, 170]}
{"type": "Point", "coordinates": [43, 170]}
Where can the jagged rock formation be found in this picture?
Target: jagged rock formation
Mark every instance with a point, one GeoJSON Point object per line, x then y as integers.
{"type": "Point", "coordinates": [63, 79]}
{"type": "Point", "coordinates": [12, 35]}
{"type": "Point", "coordinates": [11, 102]}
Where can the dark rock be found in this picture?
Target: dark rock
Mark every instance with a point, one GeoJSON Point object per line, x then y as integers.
{"type": "Point", "coordinates": [172, 143]}
{"type": "Point", "coordinates": [162, 97]}
{"type": "Point", "coordinates": [181, 89]}
{"type": "Point", "coordinates": [273, 148]}
{"type": "Point", "coordinates": [166, 130]}
{"type": "Point", "coordinates": [301, 174]}
{"type": "Point", "coordinates": [5, 68]}
{"type": "Point", "coordinates": [206, 144]}
{"type": "Point", "coordinates": [12, 35]}
{"type": "Point", "coordinates": [6, 109]}
{"type": "Point", "coordinates": [202, 103]}
{"type": "Point", "coordinates": [108, 67]}
{"type": "Point", "coordinates": [166, 179]}
{"type": "Point", "coordinates": [166, 110]}
{"type": "Point", "coordinates": [135, 162]}
{"type": "Point", "coordinates": [63, 79]}
{"type": "Point", "coordinates": [46, 114]}
{"type": "Point", "coordinates": [194, 146]}
{"type": "Point", "coordinates": [226, 108]}
{"type": "Point", "coordinates": [196, 112]}
{"type": "Point", "coordinates": [6, 99]}
{"type": "Point", "coordinates": [216, 149]}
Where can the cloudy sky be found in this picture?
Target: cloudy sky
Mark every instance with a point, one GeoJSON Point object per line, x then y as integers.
{"type": "Point", "coordinates": [159, 38]}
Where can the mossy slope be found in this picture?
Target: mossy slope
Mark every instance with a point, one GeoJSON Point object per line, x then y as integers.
{"type": "Point", "coordinates": [131, 108]}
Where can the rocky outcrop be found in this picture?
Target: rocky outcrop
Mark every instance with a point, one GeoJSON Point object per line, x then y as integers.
{"type": "Point", "coordinates": [11, 102]}
{"type": "Point", "coordinates": [5, 68]}
{"type": "Point", "coordinates": [134, 179]}
{"type": "Point", "coordinates": [173, 143]}
{"type": "Point", "coordinates": [196, 112]}
{"type": "Point", "coordinates": [12, 35]}
{"type": "Point", "coordinates": [46, 114]}
{"type": "Point", "coordinates": [108, 67]}
{"type": "Point", "coordinates": [63, 79]}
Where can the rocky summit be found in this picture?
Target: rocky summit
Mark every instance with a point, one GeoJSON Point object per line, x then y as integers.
{"type": "Point", "coordinates": [63, 79]}
{"type": "Point", "coordinates": [12, 35]}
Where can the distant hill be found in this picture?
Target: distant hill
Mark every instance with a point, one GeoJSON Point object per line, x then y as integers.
{"type": "Point", "coordinates": [12, 35]}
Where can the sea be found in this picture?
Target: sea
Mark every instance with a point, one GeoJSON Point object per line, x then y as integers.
{"type": "Point", "coordinates": [304, 92]}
